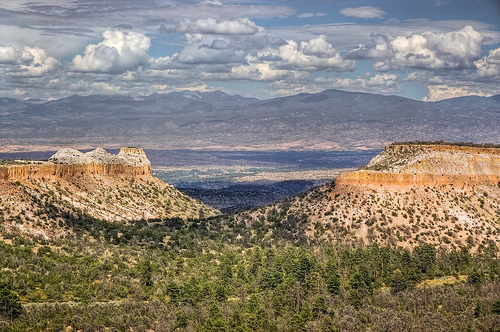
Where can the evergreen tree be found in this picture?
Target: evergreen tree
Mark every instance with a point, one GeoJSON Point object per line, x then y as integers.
{"type": "Point", "coordinates": [9, 302]}
{"type": "Point", "coordinates": [425, 256]}
{"type": "Point", "coordinates": [332, 277]}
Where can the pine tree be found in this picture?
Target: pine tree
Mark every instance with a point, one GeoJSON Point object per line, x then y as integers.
{"type": "Point", "coordinates": [9, 302]}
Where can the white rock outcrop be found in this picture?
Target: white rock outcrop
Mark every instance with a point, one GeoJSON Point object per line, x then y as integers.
{"type": "Point", "coordinates": [104, 157]}
{"type": "Point", "coordinates": [71, 157]}
{"type": "Point", "coordinates": [126, 157]}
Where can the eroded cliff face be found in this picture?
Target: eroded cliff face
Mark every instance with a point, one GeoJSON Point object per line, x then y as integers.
{"type": "Point", "coordinates": [405, 166]}
{"type": "Point", "coordinates": [130, 162]}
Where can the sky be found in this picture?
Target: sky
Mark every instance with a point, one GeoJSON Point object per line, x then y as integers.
{"type": "Point", "coordinates": [425, 50]}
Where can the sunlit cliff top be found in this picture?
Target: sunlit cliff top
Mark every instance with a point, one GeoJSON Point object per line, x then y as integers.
{"type": "Point", "coordinates": [126, 157]}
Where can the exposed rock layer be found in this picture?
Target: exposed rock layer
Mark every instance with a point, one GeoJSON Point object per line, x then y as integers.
{"type": "Point", "coordinates": [407, 195]}
{"type": "Point", "coordinates": [428, 165]}
{"type": "Point", "coordinates": [69, 162]}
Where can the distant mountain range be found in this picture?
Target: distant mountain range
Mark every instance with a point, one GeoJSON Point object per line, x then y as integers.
{"type": "Point", "coordinates": [330, 120]}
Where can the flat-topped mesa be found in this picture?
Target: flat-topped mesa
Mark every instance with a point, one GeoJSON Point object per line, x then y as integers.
{"type": "Point", "coordinates": [71, 162]}
{"type": "Point", "coordinates": [406, 165]}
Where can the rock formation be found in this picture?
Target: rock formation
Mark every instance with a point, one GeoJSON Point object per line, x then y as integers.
{"type": "Point", "coordinates": [405, 166]}
{"type": "Point", "coordinates": [446, 195]}
{"type": "Point", "coordinates": [71, 162]}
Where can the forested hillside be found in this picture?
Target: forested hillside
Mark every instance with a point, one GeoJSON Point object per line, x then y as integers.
{"type": "Point", "coordinates": [223, 274]}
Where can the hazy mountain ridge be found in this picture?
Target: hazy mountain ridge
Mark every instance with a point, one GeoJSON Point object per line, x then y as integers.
{"type": "Point", "coordinates": [330, 120]}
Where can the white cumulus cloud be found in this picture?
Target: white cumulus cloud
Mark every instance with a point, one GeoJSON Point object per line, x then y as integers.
{"type": "Point", "coordinates": [379, 83]}
{"type": "Point", "coordinates": [315, 54]}
{"type": "Point", "coordinates": [443, 91]}
{"type": "Point", "coordinates": [489, 66]}
{"type": "Point", "coordinates": [8, 55]}
{"type": "Point", "coordinates": [35, 62]}
{"type": "Point", "coordinates": [451, 50]}
{"type": "Point", "coordinates": [30, 62]}
{"type": "Point", "coordinates": [265, 71]}
{"type": "Point", "coordinates": [221, 42]}
{"type": "Point", "coordinates": [229, 59]}
{"type": "Point", "coordinates": [318, 47]}
{"type": "Point", "coordinates": [363, 12]}
{"type": "Point", "coordinates": [119, 52]}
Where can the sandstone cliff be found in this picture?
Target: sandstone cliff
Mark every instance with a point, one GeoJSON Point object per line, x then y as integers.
{"type": "Point", "coordinates": [105, 186]}
{"type": "Point", "coordinates": [71, 162]}
{"type": "Point", "coordinates": [428, 165]}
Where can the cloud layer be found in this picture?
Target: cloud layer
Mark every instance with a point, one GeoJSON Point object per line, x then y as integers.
{"type": "Point", "coordinates": [429, 50]}
{"type": "Point", "coordinates": [54, 49]}
{"type": "Point", "coordinates": [363, 12]}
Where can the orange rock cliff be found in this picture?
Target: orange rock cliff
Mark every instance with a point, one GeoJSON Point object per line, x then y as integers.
{"type": "Point", "coordinates": [428, 165]}
{"type": "Point", "coordinates": [71, 162]}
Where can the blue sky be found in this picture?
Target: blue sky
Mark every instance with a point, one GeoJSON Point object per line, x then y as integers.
{"type": "Point", "coordinates": [425, 50]}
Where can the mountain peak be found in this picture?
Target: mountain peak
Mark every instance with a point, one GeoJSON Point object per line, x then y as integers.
{"type": "Point", "coordinates": [188, 94]}
{"type": "Point", "coordinates": [329, 120]}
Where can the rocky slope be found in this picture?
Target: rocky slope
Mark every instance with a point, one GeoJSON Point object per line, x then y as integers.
{"type": "Point", "coordinates": [34, 195]}
{"type": "Point", "coordinates": [408, 194]}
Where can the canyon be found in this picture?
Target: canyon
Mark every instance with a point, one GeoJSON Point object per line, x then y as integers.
{"type": "Point", "coordinates": [409, 194]}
